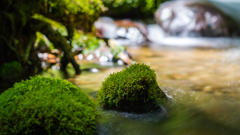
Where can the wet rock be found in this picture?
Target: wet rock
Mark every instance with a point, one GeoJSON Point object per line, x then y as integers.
{"type": "Point", "coordinates": [111, 53]}
{"type": "Point", "coordinates": [131, 28]}
{"type": "Point", "coordinates": [138, 107]}
{"type": "Point", "coordinates": [130, 31]}
{"type": "Point", "coordinates": [141, 106]}
{"type": "Point", "coordinates": [106, 28]}
{"type": "Point", "coordinates": [195, 19]}
{"type": "Point", "coordinates": [49, 59]}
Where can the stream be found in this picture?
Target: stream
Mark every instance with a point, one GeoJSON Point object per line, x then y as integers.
{"type": "Point", "coordinates": [203, 83]}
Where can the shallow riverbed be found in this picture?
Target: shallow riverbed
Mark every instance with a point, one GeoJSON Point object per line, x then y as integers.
{"type": "Point", "coordinates": [202, 82]}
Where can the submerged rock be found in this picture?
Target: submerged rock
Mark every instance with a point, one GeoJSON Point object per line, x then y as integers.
{"type": "Point", "coordinates": [196, 19]}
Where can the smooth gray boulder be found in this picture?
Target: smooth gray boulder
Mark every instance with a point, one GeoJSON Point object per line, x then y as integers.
{"type": "Point", "coordinates": [199, 18]}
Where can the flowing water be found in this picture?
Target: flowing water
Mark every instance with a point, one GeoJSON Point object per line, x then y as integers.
{"type": "Point", "coordinates": [202, 79]}
{"type": "Point", "coordinates": [204, 84]}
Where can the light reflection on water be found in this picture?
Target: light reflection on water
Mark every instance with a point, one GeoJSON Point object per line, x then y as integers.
{"type": "Point", "coordinates": [203, 83]}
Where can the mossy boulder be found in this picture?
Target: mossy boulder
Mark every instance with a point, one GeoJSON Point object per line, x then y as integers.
{"type": "Point", "coordinates": [133, 89]}
{"type": "Point", "coordinates": [46, 106]}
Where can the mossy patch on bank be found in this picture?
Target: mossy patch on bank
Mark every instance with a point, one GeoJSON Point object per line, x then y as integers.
{"type": "Point", "coordinates": [46, 106]}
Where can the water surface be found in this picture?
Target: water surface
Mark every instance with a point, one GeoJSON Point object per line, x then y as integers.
{"type": "Point", "coordinates": [202, 82]}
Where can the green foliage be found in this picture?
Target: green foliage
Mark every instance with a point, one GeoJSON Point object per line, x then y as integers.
{"type": "Point", "coordinates": [19, 26]}
{"type": "Point", "coordinates": [117, 49]}
{"type": "Point", "coordinates": [74, 6]}
{"type": "Point", "coordinates": [10, 68]}
{"type": "Point", "coordinates": [136, 8]}
{"type": "Point", "coordinates": [88, 42]}
{"type": "Point", "coordinates": [130, 3]}
{"type": "Point", "coordinates": [46, 106]}
{"type": "Point", "coordinates": [132, 87]}
{"type": "Point", "coordinates": [56, 25]}
{"type": "Point", "coordinates": [43, 40]}
{"type": "Point", "coordinates": [73, 13]}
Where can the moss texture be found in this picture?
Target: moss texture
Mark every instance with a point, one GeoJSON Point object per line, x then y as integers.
{"type": "Point", "coordinates": [46, 106]}
{"type": "Point", "coordinates": [133, 89]}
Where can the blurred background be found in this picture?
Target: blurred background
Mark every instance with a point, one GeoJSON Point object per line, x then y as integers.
{"type": "Point", "coordinates": [192, 45]}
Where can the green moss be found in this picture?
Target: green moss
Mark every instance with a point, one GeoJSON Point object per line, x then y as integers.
{"type": "Point", "coordinates": [133, 89]}
{"type": "Point", "coordinates": [88, 42]}
{"type": "Point", "coordinates": [131, 8]}
{"type": "Point", "coordinates": [43, 41]}
{"type": "Point", "coordinates": [55, 25]}
{"type": "Point", "coordinates": [89, 7]}
{"type": "Point", "coordinates": [46, 106]}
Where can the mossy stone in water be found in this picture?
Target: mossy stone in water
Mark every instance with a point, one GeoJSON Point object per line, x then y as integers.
{"type": "Point", "coordinates": [46, 106]}
{"type": "Point", "coordinates": [133, 89]}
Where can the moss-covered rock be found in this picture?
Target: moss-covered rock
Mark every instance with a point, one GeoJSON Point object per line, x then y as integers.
{"type": "Point", "coordinates": [46, 106]}
{"type": "Point", "coordinates": [133, 89]}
